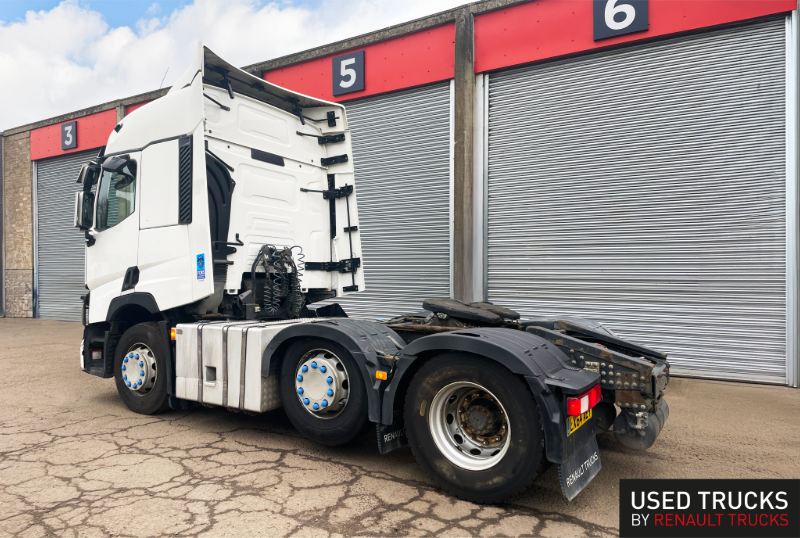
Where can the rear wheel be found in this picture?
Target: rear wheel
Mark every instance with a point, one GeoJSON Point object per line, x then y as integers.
{"type": "Point", "coordinates": [140, 369]}
{"type": "Point", "coordinates": [323, 392]}
{"type": "Point", "coordinates": [474, 427]}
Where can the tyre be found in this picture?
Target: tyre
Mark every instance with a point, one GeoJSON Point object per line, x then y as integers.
{"type": "Point", "coordinates": [140, 369]}
{"type": "Point", "coordinates": [474, 427]}
{"type": "Point", "coordinates": [323, 391]}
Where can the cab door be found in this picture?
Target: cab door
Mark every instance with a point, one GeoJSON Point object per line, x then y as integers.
{"type": "Point", "coordinates": [111, 261]}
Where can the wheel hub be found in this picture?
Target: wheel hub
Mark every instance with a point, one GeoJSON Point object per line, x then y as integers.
{"type": "Point", "coordinates": [469, 426]}
{"type": "Point", "coordinates": [139, 369]}
{"type": "Point", "coordinates": [482, 419]}
{"type": "Point", "coordinates": [321, 384]}
{"type": "Point", "coordinates": [479, 419]}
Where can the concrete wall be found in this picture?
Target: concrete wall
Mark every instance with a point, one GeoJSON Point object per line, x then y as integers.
{"type": "Point", "coordinates": [2, 250]}
{"type": "Point", "coordinates": [18, 225]}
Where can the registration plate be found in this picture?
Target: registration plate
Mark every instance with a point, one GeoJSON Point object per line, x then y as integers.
{"type": "Point", "coordinates": [573, 423]}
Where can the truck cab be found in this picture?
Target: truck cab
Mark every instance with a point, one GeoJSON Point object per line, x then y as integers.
{"type": "Point", "coordinates": [190, 187]}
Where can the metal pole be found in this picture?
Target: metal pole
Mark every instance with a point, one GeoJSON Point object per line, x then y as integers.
{"type": "Point", "coordinates": [792, 206]}
{"type": "Point", "coordinates": [463, 121]}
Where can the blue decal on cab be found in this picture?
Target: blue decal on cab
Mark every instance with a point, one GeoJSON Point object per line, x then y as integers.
{"type": "Point", "coordinates": [201, 267]}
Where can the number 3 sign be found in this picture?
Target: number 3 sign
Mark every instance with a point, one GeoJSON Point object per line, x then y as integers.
{"type": "Point", "coordinates": [619, 17]}
{"type": "Point", "coordinates": [69, 135]}
{"type": "Point", "coordinates": [348, 73]}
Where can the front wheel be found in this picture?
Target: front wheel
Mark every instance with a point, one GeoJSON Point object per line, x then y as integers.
{"type": "Point", "coordinates": [474, 427]}
{"type": "Point", "coordinates": [140, 369]}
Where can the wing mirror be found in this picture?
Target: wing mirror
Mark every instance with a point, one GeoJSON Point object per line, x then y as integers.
{"type": "Point", "coordinates": [89, 174]}
{"type": "Point", "coordinates": [84, 210]}
{"type": "Point", "coordinates": [84, 200]}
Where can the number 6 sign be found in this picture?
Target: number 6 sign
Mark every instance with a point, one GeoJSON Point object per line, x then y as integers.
{"type": "Point", "coordinates": [619, 17]}
{"type": "Point", "coordinates": [348, 73]}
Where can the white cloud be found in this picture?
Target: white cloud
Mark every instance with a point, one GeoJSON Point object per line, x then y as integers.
{"type": "Point", "coordinates": [69, 58]}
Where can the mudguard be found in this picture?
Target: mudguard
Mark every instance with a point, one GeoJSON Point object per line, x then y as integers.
{"type": "Point", "coordinates": [547, 371]}
{"type": "Point", "coordinates": [369, 343]}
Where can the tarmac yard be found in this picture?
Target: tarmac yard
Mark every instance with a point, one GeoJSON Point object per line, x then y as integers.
{"type": "Point", "coordinates": [75, 462]}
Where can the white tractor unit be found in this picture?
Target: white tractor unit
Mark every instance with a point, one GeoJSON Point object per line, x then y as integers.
{"type": "Point", "coordinates": [218, 217]}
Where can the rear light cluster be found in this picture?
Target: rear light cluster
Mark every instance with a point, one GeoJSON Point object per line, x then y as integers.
{"type": "Point", "coordinates": [578, 405]}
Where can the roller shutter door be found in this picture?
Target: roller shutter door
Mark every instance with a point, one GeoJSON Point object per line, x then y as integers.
{"type": "Point", "coordinates": [401, 147]}
{"type": "Point", "coordinates": [60, 246]}
{"type": "Point", "coordinates": [645, 187]}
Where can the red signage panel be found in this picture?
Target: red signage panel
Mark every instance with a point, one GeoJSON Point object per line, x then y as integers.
{"type": "Point", "coordinates": [90, 132]}
{"type": "Point", "coordinates": [403, 62]}
{"type": "Point", "coordinates": [551, 28]}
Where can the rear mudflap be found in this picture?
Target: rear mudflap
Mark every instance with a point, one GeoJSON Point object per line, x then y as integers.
{"type": "Point", "coordinates": [569, 441]}
{"type": "Point", "coordinates": [581, 461]}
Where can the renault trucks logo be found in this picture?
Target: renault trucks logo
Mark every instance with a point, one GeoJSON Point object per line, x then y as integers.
{"type": "Point", "coordinates": [613, 18]}
{"type": "Point", "coordinates": [348, 73]}
{"type": "Point", "coordinates": [700, 508]}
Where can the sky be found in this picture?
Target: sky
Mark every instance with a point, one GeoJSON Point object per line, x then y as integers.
{"type": "Point", "coordinates": [57, 57]}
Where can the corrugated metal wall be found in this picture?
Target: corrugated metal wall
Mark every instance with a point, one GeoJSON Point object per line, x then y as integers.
{"type": "Point", "coordinates": [60, 246]}
{"type": "Point", "coordinates": [645, 187]}
{"type": "Point", "coordinates": [401, 147]}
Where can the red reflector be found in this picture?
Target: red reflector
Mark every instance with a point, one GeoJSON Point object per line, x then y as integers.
{"type": "Point", "coordinates": [578, 405]}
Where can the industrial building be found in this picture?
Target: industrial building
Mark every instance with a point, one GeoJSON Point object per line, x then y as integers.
{"type": "Point", "coordinates": [631, 161]}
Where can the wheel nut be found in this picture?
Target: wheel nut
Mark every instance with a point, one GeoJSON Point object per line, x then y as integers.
{"type": "Point", "coordinates": [322, 369]}
{"type": "Point", "coordinates": [315, 406]}
{"type": "Point", "coordinates": [314, 364]}
{"type": "Point", "coordinates": [128, 383]}
{"type": "Point", "coordinates": [305, 401]}
{"type": "Point", "coordinates": [304, 368]}
{"type": "Point", "coordinates": [125, 359]}
{"type": "Point", "coordinates": [141, 372]}
{"type": "Point", "coordinates": [329, 380]}
{"type": "Point", "coordinates": [130, 355]}
{"type": "Point", "coordinates": [324, 403]}
{"type": "Point", "coordinates": [299, 377]}
{"type": "Point", "coordinates": [140, 381]}
{"type": "Point", "coordinates": [123, 368]}
{"type": "Point", "coordinates": [300, 390]}
{"type": "Point", "coordinates": [141, 363]}
{"type": "Point", "coordinates": [330, 392]}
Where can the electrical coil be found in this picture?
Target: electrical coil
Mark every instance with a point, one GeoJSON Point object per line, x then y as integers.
{"type": "Point", "coordinates": [280, 295]}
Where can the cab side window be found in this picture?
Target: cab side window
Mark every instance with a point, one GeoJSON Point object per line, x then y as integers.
{"type": "Point", "coordinates": [116, 196]}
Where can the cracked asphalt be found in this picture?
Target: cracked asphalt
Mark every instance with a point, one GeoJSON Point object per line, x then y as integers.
{"type": "Point", "coordinates": [75, 462]}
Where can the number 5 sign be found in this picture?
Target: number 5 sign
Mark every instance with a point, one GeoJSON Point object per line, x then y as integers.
{"type": "Point", "coordinates": [348, 73]}
{"type": "Point", "coordinates": [619, 17]}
